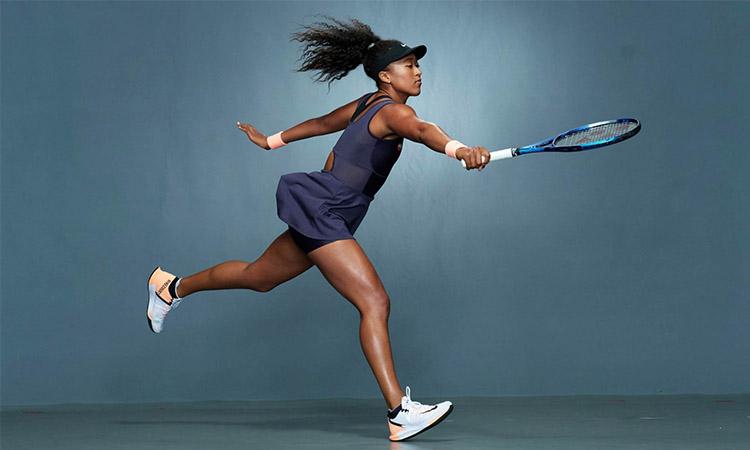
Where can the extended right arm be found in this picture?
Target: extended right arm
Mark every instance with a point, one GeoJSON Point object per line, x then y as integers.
{"type": "Point", "coordinates": [403, 121]}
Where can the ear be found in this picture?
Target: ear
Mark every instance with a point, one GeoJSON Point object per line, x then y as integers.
{"type": "Point", "coordinates": [384, 77]}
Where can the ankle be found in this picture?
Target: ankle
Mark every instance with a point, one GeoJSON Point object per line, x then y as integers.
{"type": "Point", "coordinates": [394, 402]}
{"type": "Point", "coordinates": [181, 290]}
{"type": "Point", "coordinates": [178, 290]}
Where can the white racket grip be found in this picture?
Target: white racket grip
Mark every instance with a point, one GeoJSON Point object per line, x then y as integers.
{"type": "Point", "coordinates": [497, 154]}
{"type": "Point", "coordinates": [501, 154]}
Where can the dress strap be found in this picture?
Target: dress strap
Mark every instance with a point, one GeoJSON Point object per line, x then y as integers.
{"type": "Point", "coordinates": [363, 104]}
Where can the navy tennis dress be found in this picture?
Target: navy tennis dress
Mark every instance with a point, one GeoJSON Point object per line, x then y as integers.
{"type": "Point", "coordinates": [326, 206]}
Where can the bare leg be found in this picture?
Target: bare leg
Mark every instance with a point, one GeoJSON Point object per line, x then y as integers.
{"type": "Point", "coordinates": [344, 264]}
{"type": "Point", "coordinates": [282, 261]}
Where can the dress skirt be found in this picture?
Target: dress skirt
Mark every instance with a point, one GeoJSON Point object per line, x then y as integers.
{"type": "Point", "coordinates": [319, 208]}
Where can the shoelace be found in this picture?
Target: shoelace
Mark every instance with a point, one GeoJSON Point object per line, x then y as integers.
{"type": "Point", "coordinates": [408, 404]}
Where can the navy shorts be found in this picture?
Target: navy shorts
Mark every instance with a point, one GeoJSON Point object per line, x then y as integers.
{"type": "Point", "coordinates": [306, 243]}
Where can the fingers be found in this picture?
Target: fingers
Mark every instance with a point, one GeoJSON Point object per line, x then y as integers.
{"type": "Point", "coordinates": [245, 126]}
{"type": "Point", "coordinates": [248, 129]}
{"type": "Point", "coordinates": [477, 158]}
{"type": "Point", "coordinates": [484, 157]}
{"type": "Point", "coordinates": [254, 135]}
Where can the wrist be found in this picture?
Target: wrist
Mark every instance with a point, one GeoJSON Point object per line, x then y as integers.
{"type": "Point", "coordinates": [451, 148]}
{"type": "Point", "coordinates": [275, 141]}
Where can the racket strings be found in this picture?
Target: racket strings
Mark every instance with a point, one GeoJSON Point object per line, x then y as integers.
{"type": "Point", "coordinates": [597, 133]}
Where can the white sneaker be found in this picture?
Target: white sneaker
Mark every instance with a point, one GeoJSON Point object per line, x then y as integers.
{"type": "Point", "coordinates": [412, 418]}
{"type": "Point", "coordinates": [160, 301]}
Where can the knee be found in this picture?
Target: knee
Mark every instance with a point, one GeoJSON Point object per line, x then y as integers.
{"type": "Point", "coordinates": [377, 305]}
{"type": "Point", "coordinates": [255, 280]}
{"type": "Point", "coordinates": [263, 287]}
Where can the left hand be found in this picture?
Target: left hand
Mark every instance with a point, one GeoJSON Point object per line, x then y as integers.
{"type": "Point", "coordinates": [258, 138]}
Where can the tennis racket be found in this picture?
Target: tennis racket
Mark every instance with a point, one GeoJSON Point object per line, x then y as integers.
{"type": "Point", "coordinates": [586, 137]}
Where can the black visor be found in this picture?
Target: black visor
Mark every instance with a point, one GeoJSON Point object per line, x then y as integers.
{"type": "Point", "coordinates": [396, 51]}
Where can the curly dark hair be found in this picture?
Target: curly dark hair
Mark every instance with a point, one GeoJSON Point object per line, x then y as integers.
{"type": "Point", "coordinates": [336, 49]}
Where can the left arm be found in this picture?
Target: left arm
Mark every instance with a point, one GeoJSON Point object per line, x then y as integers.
{"type": "Point", "coordinates": [332, 122]}
{"type": "Point", "coordinates": [308, 128]}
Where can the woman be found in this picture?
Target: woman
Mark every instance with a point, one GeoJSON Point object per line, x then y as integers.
{"type": "Point", "coordinates": [323, 209]}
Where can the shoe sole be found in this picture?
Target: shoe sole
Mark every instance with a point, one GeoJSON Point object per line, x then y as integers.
{"type": "Point", "coordinates": [447, 413]}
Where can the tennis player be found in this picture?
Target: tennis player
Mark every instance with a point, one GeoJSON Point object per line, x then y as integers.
{"type": "Point", "coordinates": [323, 209]}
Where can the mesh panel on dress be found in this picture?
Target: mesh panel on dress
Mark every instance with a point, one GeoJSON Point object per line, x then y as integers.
{"type": "Point", "coordinates": [356, 177]}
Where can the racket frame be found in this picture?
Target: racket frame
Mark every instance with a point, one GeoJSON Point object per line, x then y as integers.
{"type": "Point", "coordinates": [548, 145]}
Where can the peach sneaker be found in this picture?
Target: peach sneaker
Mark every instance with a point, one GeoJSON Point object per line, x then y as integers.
{"type": "Point", "coordinates": [160, 301]}
{"type": "Point", "coordinates": [411, 418]}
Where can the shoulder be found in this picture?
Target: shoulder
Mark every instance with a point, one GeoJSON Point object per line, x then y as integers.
{"type": "Point", "coordinates": [402, 120]}
{"type": "Point", "coordinates": [338, 119]}
{"type": "Point", "coordinates": [398, 111]}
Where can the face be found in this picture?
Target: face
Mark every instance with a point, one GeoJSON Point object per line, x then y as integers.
{"type": "Point", "coordinates": [404, 75]}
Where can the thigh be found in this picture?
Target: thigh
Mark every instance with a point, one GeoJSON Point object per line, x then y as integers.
{"type": "Point", "coordinates": [346, 266]}
{"type": "Point", "coordinates": [282, 261]}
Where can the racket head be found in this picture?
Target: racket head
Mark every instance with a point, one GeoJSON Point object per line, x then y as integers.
{"type": "Point", "coordinates": [595, 135]}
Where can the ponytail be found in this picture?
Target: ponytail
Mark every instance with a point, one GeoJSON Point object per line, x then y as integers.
{"type": "Point", "coordinates": [336, 49]}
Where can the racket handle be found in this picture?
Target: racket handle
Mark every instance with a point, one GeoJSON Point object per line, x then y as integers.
{"type": "Point", "coordinates": [497, 154]}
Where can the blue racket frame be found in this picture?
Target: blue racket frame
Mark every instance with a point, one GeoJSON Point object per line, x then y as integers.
{"type": "Point", "coordinates": [548, 145]}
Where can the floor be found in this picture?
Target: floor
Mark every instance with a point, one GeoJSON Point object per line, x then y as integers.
{"type": "Point", "coordinates": [576, 422]}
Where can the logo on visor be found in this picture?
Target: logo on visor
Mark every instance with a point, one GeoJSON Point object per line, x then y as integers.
{"type": "Point", "coordinates": [403, 45]}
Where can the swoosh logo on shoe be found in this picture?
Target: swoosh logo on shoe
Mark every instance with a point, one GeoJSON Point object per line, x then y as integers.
{"type": "Point", "coordinates": [425, 412]}
{"type": "Point", "coordinates": [397, 424]}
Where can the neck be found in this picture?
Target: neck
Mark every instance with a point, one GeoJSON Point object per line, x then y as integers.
{"type": "Point", "coordinates": [397, 97]}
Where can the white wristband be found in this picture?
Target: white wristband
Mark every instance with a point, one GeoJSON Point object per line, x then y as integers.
{"type": "Point", "coordinates": [275, 141]}
{"type": "Point", "coordinates": [451, 147]}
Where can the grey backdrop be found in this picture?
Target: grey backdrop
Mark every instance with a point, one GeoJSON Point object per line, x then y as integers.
{"type": "Point", "coordinates": [619, 271]}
